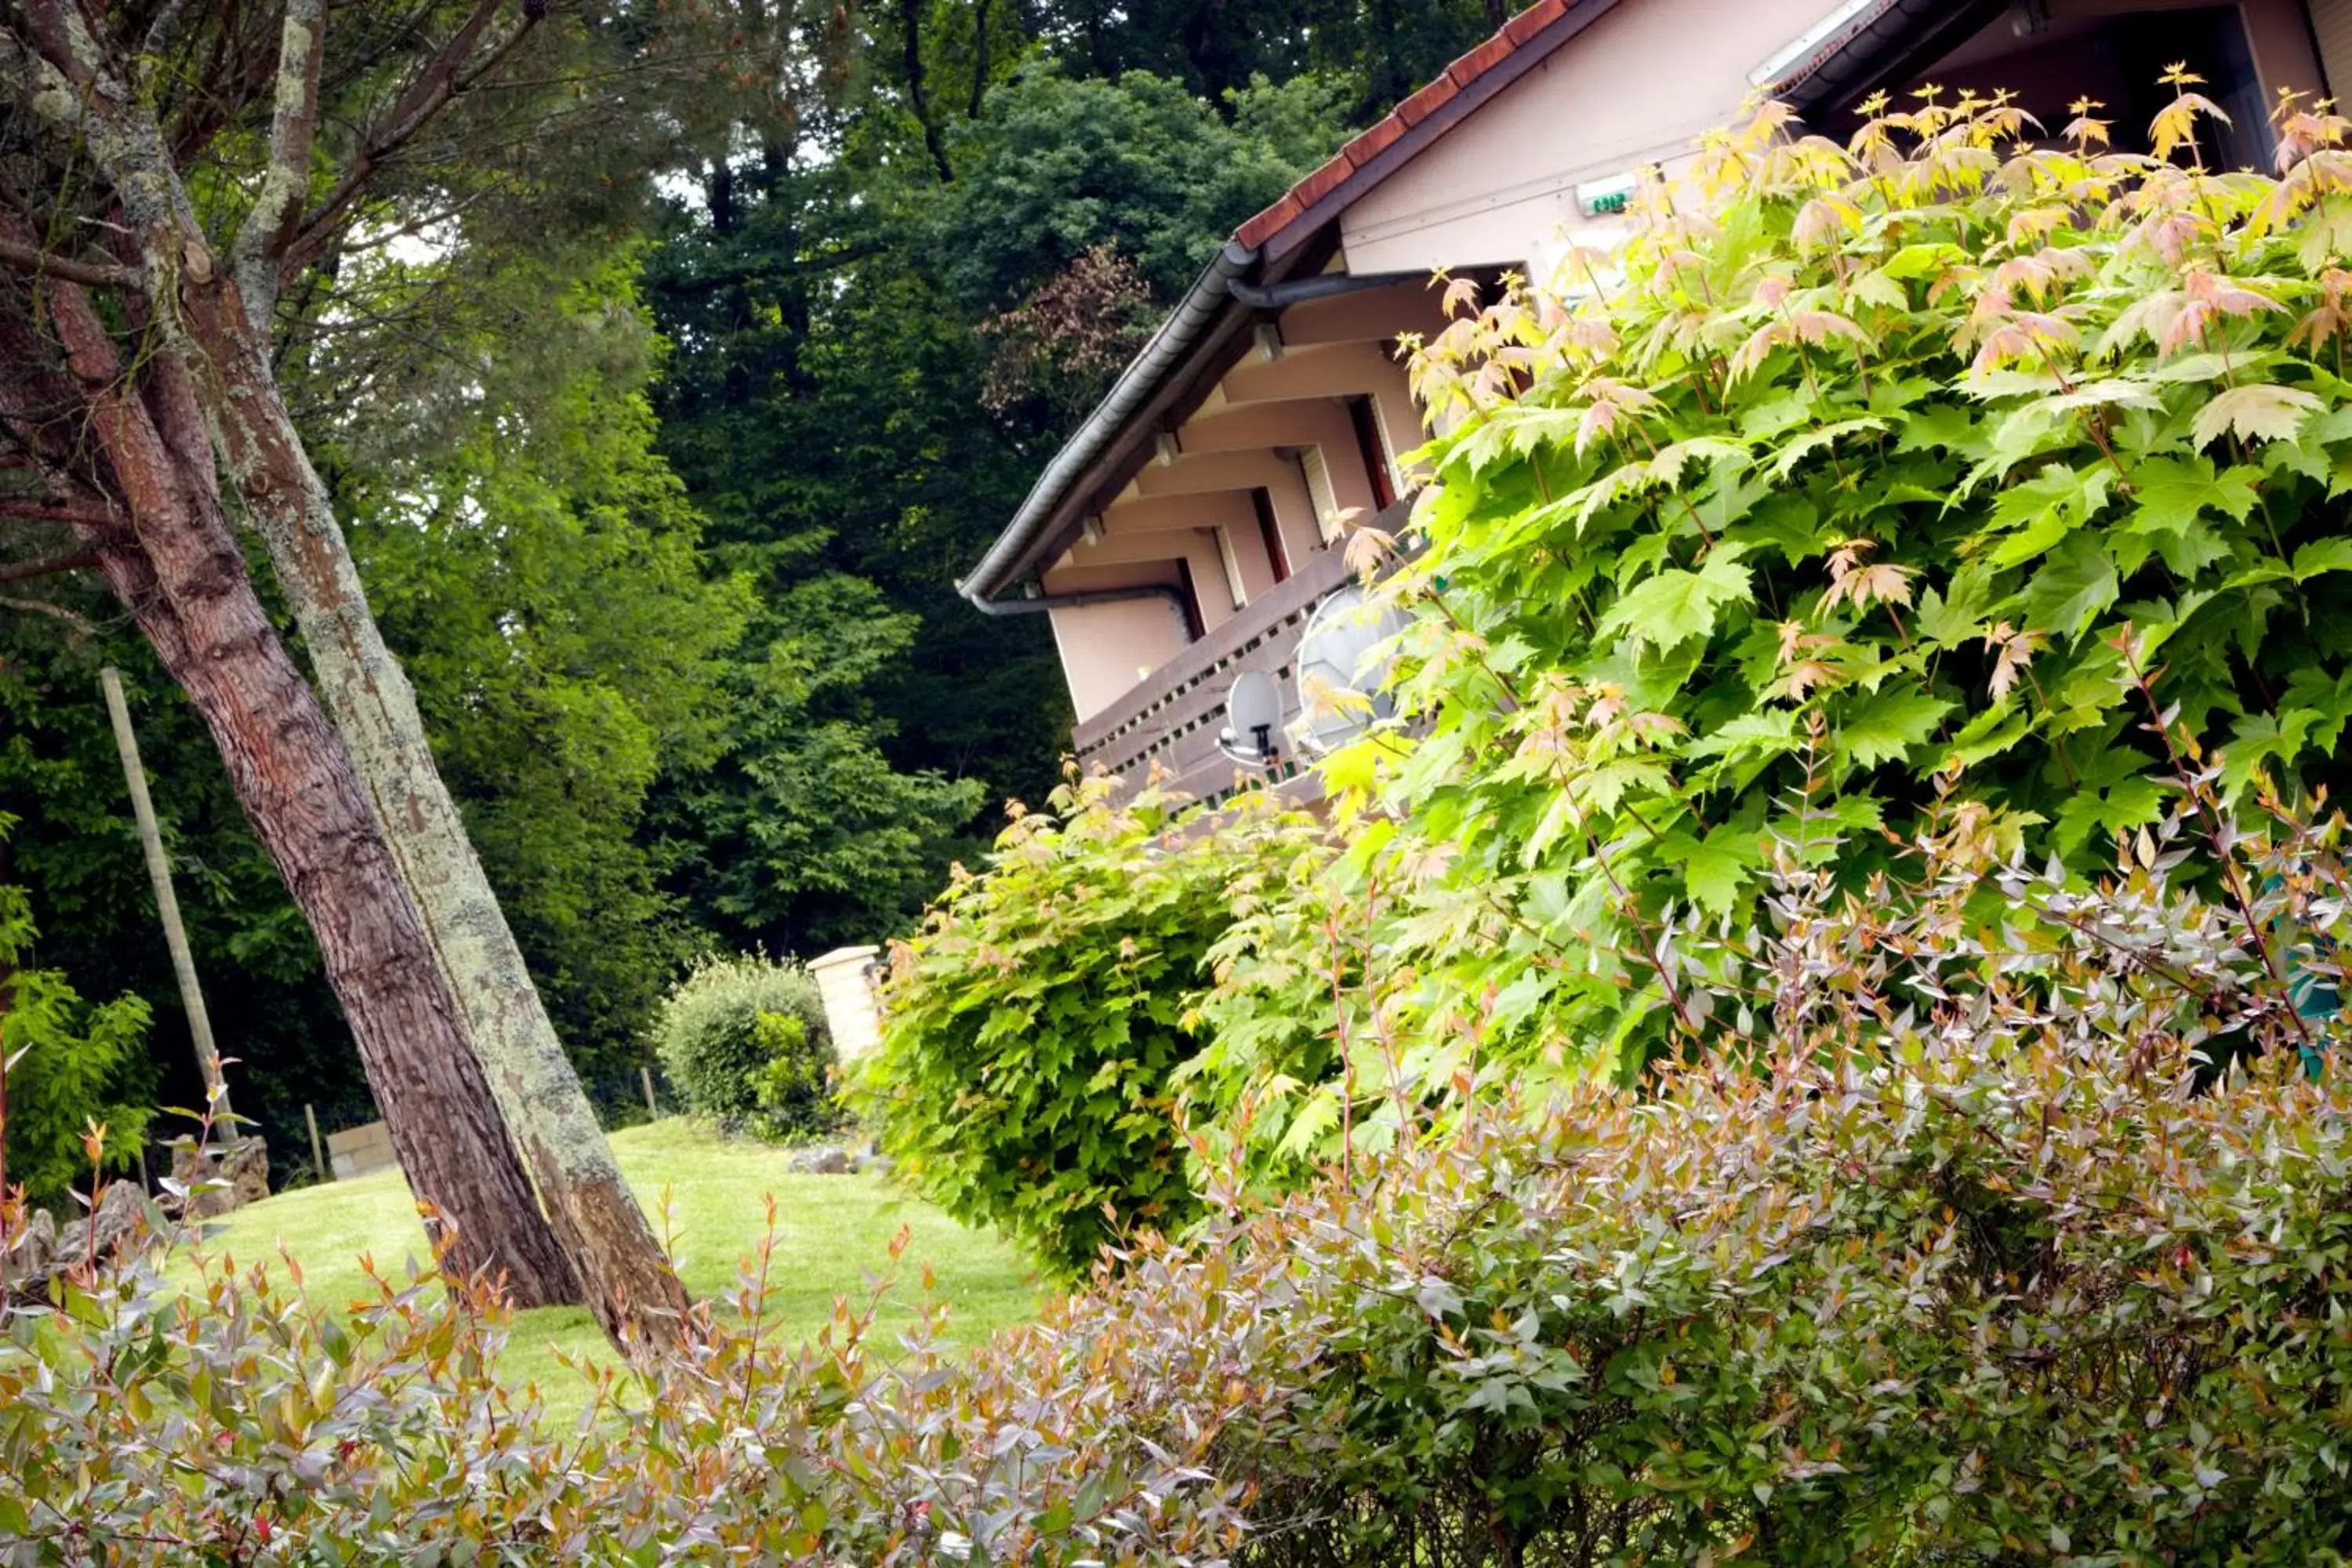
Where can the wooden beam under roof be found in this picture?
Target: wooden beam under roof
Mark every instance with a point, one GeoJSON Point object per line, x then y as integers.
{"type": "Point", "coordinates": [1332, 370]}
{"type": "Point", "coordinates": [1159, 514]}
{"type": "Point", "coordinates": [1209, 471]}
{"type": "Point", "coordinates": [1260, 426]}
{"type": "Point", "coordinates": [1373, 316]}
{"type": "Point", "coordinates": [1128, 549]}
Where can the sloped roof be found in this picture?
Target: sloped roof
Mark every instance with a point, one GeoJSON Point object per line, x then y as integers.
{"type": "Point", "coordinates": [1348, 165]}
{"type": "Point", "coordinates": [1209, 318]}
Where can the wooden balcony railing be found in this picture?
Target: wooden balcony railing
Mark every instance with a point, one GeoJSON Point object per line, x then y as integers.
{"type": "Point", "coordinates": [1172, 716]}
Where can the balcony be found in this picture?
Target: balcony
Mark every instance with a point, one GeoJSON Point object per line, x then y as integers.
{"type": "Point", "coordinates": [1172, 716]}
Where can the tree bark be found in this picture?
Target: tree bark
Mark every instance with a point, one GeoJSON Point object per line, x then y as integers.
{"type": "Point", "coordinates": [627, 1279]}
{"type": "Point", "coordinates": [980, 63]}
{"type": "Point", "coordinates": [910, 17]}
{"type": "Point", "coordinates": [177, 569]}
{"type": "Point", "coordinates": [219, 350]}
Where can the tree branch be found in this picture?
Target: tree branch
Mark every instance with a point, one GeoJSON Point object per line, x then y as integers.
{"type": "Point", "coordinates": [81, 627]}
{"type": "Point", "coordinates": [25, 571]}
{"type": "Point", "coordinates": [733, 276]}
{"type": "Point", "coordinates": [158, 31]}
{"type": "Point", "coordinates": [260, 246]}
{"type": "Point", "coordinates": [33, 259]}
{"type": "Point", "coordinates": [444, 78]}
{"type": "Point", "coordinates": [910, 18]}
{"type": "Point", "coordinates": [980, 63]}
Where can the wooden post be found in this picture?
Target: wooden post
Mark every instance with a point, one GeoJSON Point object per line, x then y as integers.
{"type": "Point", "coordinates": [318, 1151]}
{"type": "Point", "coordinates": [159, 872]}
{"type": "Point", "coordinates": [646, 1077]}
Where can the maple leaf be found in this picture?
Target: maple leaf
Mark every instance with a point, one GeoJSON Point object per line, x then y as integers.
{"type": "Point", "coordinates": [2086, 130]}
{"type": "Point", "coordinates": [2017, 649]}
{"type": "Point", "coordinates": [1367, 548]}
{"type": "Point", "coordinates": [2175, 125]}
{"type": "Point", "coordinates": [1851, 581]}
{"type": "Point", "coordinates": [1609, 399]}
{"type": "Point", "coordinates": [1821, 326]}
{"type": "Point", "coordinates": [1823, 220]}
{"type": "Point", "coordinates": [1672, 605]}
{"type": "Point", "coordinates": [2261, 412]}
{"type": "Point", "coordinates": [1881, 728]}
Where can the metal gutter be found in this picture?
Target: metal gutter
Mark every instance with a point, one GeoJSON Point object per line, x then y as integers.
{"type": "Point", "coordinates": [1037, 603]}
{"type": "Point", "coordinates": [1883, 41]}
{"type": "Point", "coordinates": [1322, 285]}
{"type": "Point", "coordinates": [1205, 305]}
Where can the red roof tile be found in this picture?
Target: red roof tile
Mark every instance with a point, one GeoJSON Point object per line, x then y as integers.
{"type": "Point", "coordinates": [1323, 181]}
{"type": "Point", "coordinates": [1481, 59]}
{"type": "Point", "coordinates": [1269, 223]}
{"type": "Point", "coordinates": [1427, 102]}
{"type": "Point", "coordinates": [1534, 20]}
{"type": "Point", "coordinates": [1373, 142]}
{"type": "Point", "coordinates": [1364, 148]}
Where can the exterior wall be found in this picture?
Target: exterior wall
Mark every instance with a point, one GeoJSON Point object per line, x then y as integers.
{"type": "Point", "coordinates": [1106, 648]}
{"type": "Point", "coordinates": [2331, 27]}
{"type": "Point", "coordinates": [2282, 35]}
{"type": "Point", "coordinates": [1644, 81]}
{"type": "Point", "coordinates": [1636, 86]}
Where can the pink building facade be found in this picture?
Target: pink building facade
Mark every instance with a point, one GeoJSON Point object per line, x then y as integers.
{"type": "Point", "coordinates": [1188, 529]}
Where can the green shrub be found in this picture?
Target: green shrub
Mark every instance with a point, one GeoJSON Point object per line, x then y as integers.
{"type": "Point", "coordinates": [1897, 440]}
{"type": "Point", "coordinates": [1967, 1267]}
{"type": "Point", "coordinates": [1036, 1033]}
{"type": "Point", "coordinates": [1945, 1241]}
{"type": "Point", "coordinates": [64, 1065]}
{"type": "Point", "coordinates": [237, 1421]}
{"type": "Point", "coordinates": [745, 1043]}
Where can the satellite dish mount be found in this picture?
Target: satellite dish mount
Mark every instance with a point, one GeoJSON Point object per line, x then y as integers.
{"type": "Point", "coordinates": [1253, 717]}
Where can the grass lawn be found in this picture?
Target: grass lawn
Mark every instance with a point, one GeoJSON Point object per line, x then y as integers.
{"type": "Point", "coordinates": [831, 1231]}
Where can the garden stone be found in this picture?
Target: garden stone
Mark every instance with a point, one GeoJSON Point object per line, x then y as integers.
{"type": "Point", "coordinates": [238, 1175]}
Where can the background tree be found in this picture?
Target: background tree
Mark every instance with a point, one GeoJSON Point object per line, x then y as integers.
{"type": "Point", "coordinates": [853, 401]}
{"type": "Point", "coordinates": [542, 574]}
{"type": "Point", "coordinates": [64, 1065]}
{"type": "Point", "coordinates": [387, 124]}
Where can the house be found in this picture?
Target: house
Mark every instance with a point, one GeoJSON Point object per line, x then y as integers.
{"type": "Point", "coordinates": [1185, 532]}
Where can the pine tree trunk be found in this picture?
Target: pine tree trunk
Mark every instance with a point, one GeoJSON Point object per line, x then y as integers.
{"type": "Point", "coordinates": [180, 573]}
{"type": "Point", "coordinates": [627, 1278]}
{"type": "Point", "coordinates": [220, 351]}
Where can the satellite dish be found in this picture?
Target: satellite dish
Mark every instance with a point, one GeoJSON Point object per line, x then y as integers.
{"type": "Point", "coordinates": [1339, 680]}
{"type": "Point", "coordinates": [1253, 719]}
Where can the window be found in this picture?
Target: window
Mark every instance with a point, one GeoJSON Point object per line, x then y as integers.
{"type": "Point", "coordinates": [1270, 532]}
{"type": "Point", "coordinates": [1366, 421]}
{"type": "Point", "coordinates": [1196, 626]}
{"type": "Point", "coordinates": [1319, 493]}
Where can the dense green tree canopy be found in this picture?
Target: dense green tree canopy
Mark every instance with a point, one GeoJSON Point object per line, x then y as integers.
{"type": "Point", "coordinates": [667, 533]}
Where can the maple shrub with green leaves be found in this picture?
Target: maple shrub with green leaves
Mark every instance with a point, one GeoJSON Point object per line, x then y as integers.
{"type": "Point", "coordinates": [1816, 514]}
{"type": "Point", "coordinates": [1042, 1067]}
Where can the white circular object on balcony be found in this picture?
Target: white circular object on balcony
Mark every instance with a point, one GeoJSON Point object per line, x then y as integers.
{"type": "Point", "coordinates": [1341, 679]}
{"type": "Point", "coordinates": [1253, 719]}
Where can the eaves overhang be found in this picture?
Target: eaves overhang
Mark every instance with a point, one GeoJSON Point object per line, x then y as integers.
{"type": "Point", "coordinates": [1208, 317]}
{"type": "Point", "coordinates": [1213, 316]}
{"type": "Point", "coordinates": [1877, 42]}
